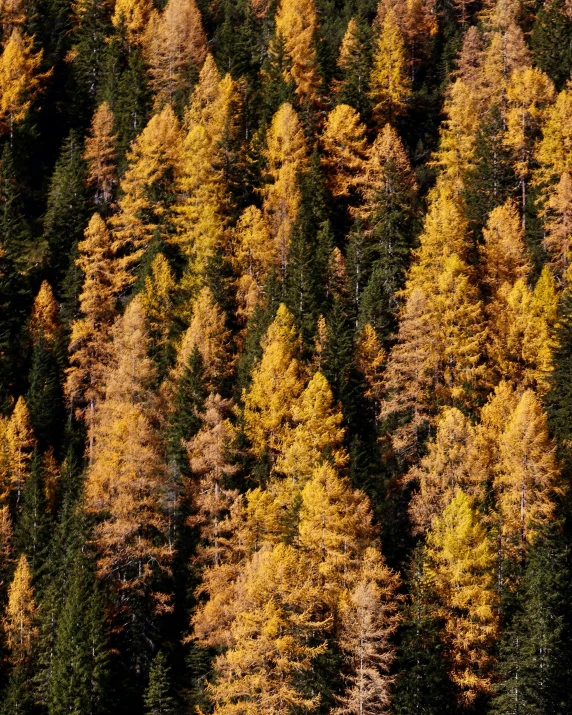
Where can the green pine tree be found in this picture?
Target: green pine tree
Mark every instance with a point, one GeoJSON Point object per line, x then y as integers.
{"type": "Point", "coordinates": [157, 698]}
{"type": "Point", "coordinates": [551, 41]}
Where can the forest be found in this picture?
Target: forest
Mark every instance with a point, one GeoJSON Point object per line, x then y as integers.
{"type": "Point", "coordinates": [285, 357]}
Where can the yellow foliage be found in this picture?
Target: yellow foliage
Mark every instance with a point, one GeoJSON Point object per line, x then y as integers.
{"type": "Point", "coordinates": [460, 569]}
{"type": "Point", "coordinates": [157, 301]}
{"type": "Point", "coordinates": [100, 153]}
{"type": "Point", "coordinates": [12, 15]}
{"type": "Point", "coordinates": [390, 81]}
{"type": "Point", "coordinates": [554, 152]}
{"type": "Point", "coordinates": [557, 214]}
{"type": "Point", "coordinates": [286, 156]}
{"type": "Point", "coordinates": [21, 615]}
{"type": "Point", "coordinates": [370, 360]}
{"type": "Point", "coordinates": [20, 81]}
{"type": "Point", "coordinates": [175, 45]}
{"type": "Point", "coordinates": [297, 23]}
{"type": "Point", "coordinates": [318, 434]}
{"type": "Point", "coordinates": [45, 320]}
{"type": "Point", "coordinates": [345, 149]}
{"type": "Point", "coordinates": [134, 16]}
{"type": "Point", "coordinates": [20, 443]}
{"type": "Point", "coordinates": [277, 383]}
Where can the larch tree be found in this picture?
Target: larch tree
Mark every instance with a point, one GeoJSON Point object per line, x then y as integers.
{"type": "Point", "coordinates": [345, 149]}
{"type": "Point", "coordinates": [277, 383]}
{"type": "Point", "coordinates": [45, 318]}
{"type": "Point", "coordinates": [20, 80]}
{"type": "Point", "coordinates": [126, 483]}
{"type": "Point", "coordinates": [207, 333]}
{"type": "Point", "coordinates": [318, 434]}
{"type": "Point", "coordinates": [527, 479]}
{"type": "Point", "coordinates": [460, 570]}
{"type": "Point", "coordinates": [13, 14]}
{"type": "Point", "coordinates": [370, 361]}
{"type": "Point", "coordinates": [158, 303]}
{"type": "Point", "coordinates": [296, 24]}
{"type": "Point", "coordinates": [147, 191]}
{"type": "Point", "coordinates": [210, 452]}
{"type": "Point", "coordinates": [134, 16]}
{"type": "Point", "coordinates": [90, 346]}
{"type": "Point", "coordinates": [20, 619]}
{"type": "Point", "coordinates": [529, 94]}
{"type": "Point", "coordinates": [20, 444]}
{"type": "Point", "coordinates": [390, 85]}
{"type": "Point", "coordinates": [557, 214]}
{"type": "Point", "coordinates": [100, 155]}
{"type": "Point", "coordinates": [286, 156]}
{"type": "Point", "coordinates": [447, 466]}
{"type": "Point", "coordinates": [176, 47]}
{"type": "Point", "coordinates": [254, 256]}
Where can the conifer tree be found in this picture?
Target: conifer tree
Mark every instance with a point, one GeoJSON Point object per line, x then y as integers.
{"type": "Point", "coordinates": [286, 156]}
{"type": "Point", "coordinates": [460, 568]}
{"type": "Point", "coordinates": [550, 41]}
{"type": "Point", "coordinates": [345, 149]}
{"type": "Point", "coordinates": [14, 224]}
{"type": "Point", "coordinates": [296, 23]}
{"type": "Point", "coordinates": [100, 155]}
{"type": "Point", "coordinates": [354, 65]}
{"type": "Point", "coordinates": [90, 339]}
{"type": "Point", "coordinates": [127, 479]}
{"type": "Point", "coordinates": [276, 386]}
{"type": "Point", "coordinates": [20, 616]}
{"type": "Point", "coordinates": [134, 15]}
{"type": "Point", "coordinates": [390, 82]}
{"type": "Point", "coordinates": [157, 301]}
{"type": "Point", "coordinates": [20, 443]}
{"type": "Point", "coordinates": [157, 699]}
{"type": "Point", "coordinates": [147, 193]}
{"type": "Point", "coordinates": [176, 47]}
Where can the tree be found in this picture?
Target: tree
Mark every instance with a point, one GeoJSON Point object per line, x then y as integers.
{"type": "Point", "coordinates": [317, 435]}
{"type": "Point", "coordinates": [13, 13]}
{"type": "Point", "coordinates": [20, 616]}
{"type": "Point", "coordinates": [345, 149]}
{"type": "Point", "coordinates": [147, 190]}
{"type": "Point", "coordinates": [550, 41]}
{"type": "Point", "coordinates": [460, 567]}
{"type": "Point", "coordinates": [157, 699]}
{"type": "Point", "coordinates": [125, 487]}
{"type": "Point", "coordinates": [389, 81]}
{"type": "Point", "coordinates": [90, 339]}
{"type": "Point", "coordinates": [354, 65]}
{"type": "Point", "coordinates": [20, 80]}
{"type": "Point", "coordinates": [134, 16]}
{"type": "Point", "coordinates": [158, 303]}
{"type": "Point", "coordinates": [20, 443]}
{"type": "Point", "coordinates": [101, 156]}
{"type": "Point", "coordinates": [369, 619]}
{"type": "Point", "coordinates": [297, 23]}
{"type": "Point", "coordinates": [286, 156]}
{"type": "Point", "coordinates": [176, 47]}
{"type": "Point", "coordinates": [276, 387]}
{"type": "Point", "coordinates": [526, 484]}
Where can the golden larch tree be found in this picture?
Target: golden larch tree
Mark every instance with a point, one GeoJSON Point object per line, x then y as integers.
{"type": "Point", "coordinates": [345, 149]}
{"type": "Point", "coordinates": [297, 23]}
{"type": "Point", "coordinates": [13, 15]}
{"type": "Point", "coordinates": [208, 333]}
{"type": "Point", "coordinates": [146, 194]}
{"type": "Point", "coordinates": [460, 569]}
{"type": "Point", "coordinates": [318, 434]}
{"type": "Point", "coordinates": [390, 83]}
{"type": "Point", "coordinates": [176, 47]}
{"type": "Point", "coordinates": [90, 344]}
{"type": "Point", "coordinates": [20, 443]}
{"type": "Point", "coordinates": [20, 79]}
{"type": "Point", "coordinates": [45, 319]}
{"type": "Point", "coordinates": [277, 383]}
{"type": "Point", "coordinates": [557, 214]}
{"type": "Point", "coordinates": [100, 154]}
{"type": "Point", "coordinates": [286, 156]}
{"type": "Point", "coordinates": [370, 360]}
{"type": "Point", "coordinates": [158, 303]}
{"type": "Point", "coordinates": [126, 484]}
{"type": "Point", "coordinates": [20, 618]}
{"type": "Point", "coordinates": [134, 16]}
{"type": "Point", "coordinates": [527, 480]}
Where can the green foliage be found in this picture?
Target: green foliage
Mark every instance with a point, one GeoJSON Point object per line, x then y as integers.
{"type": "Point", "coordinates": [551, 41]}
{"type": "Point", "coordinates": [157, 698]}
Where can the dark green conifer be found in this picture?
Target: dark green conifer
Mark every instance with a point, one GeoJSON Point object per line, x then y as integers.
{"type": "Point", "coordinates": [551, 41]}
{"type": "Point", "coordinates": [157, 698]}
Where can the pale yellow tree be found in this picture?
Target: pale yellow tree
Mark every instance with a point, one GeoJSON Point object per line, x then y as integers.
{"type": "Point", "coordinates": [134, 16]}
{"type": "Point", "coordinates": [100, 154]}
{"type": "Point", "coordinates": [345, 149]}
{"type": "Point", "coordinates": [21, 615]}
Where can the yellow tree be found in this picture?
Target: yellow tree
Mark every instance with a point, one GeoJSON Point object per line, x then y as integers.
{"type": "Point", "coordinates": [20, 443]}
{"type": "Point", "coordinates": [447, 466]}
{"type": "Point", "coordinates": [20, 79]}
{"type": "Point", "coordinates": [554, 150]}
{"type": "Point", "coordinates": [100, 154]}
{"type": "Point", "coordinates": [369, 618]}
{"type": "Point", "coordinates": [13, 15]}
{"type": "Point", "coordinates": [270, 638]}
{"type": "Point", "coordinates": [45, 317]}
{"type": "Point", "coordinates": [529, 93]}
{"type": "Point", "coordinates": [297, 23]}
{"type": "Point", "coordinates": [20, 619]}
{"type": "Point", "coordinates": [277, 383]}
{"type": "Point", "coordinates": [147, 190]}
{"type": "Point", "coordinates": [370, 360]}
{"type": "Point", "coordinates": [527, 479]}
{"type": "Point", "coordinates": [5, 545]}
{"type": "Point", "coordinates": [134, 16]}
{"type": "Point", "coordinates": [286, 156]}
{"type": "Point", "coordinates": [126, 484]}
{"type": "Point", "coordinates": [157, 301]}
{"type": "Point", "coordinates": [345, 149]}
{"type": "Point", "coordinates": [176, 47]}
{"type": "Point", "coordinates": [208, 333]}
{"type": "Point", "coordinates": [557, 214]}
{"type": "Point", "coordinates": [210, 452]}
{"type": "Point", "coordinates": [390, 82]}
{"type": "Point", "coordinates": [90, 348]}
{"type": "Point", "coordinates": [460, 569]}
{"type": "Point", "coordinates": [254, 255]}
{"type": "Point", "coordinates": [318, 434]}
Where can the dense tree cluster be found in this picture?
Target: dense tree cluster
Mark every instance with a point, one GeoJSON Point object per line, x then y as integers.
{"type": "Point", "coordinates": [285, 357]}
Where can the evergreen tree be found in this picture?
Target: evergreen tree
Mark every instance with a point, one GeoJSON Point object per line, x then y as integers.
{"type": "Point", "coordinates": [157, 698]}
{"type": "Point", "coordinates": [551, 41]}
